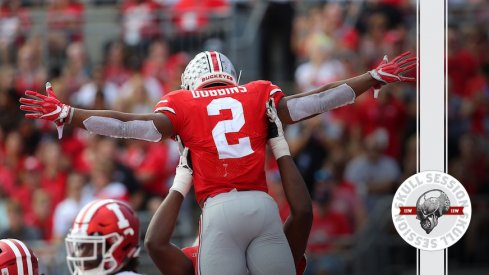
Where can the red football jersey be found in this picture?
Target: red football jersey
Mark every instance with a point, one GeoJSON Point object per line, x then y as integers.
{"type": "Point", "coordinates": [225, 129]}
{"type": "Point", "coordinates": [192, 253]}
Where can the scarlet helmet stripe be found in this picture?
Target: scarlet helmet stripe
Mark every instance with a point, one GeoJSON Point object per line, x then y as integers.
{"type": "Point", "coordinates": [28, 256]}
{"type": "Point", "coordinates": [215, 62]}
{"type": "Point", "coordinates": [219, 62]}
{"type": "Point", "coordinates": [18, 256]}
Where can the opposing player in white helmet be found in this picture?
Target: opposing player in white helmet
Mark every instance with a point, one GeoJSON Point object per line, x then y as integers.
{"type": "Point", "coordinates": [224, 126]}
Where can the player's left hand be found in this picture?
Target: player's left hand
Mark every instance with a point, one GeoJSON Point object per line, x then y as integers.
{"type": "Point", "coordinates": [394, 71]}
{"type": "Point", "coordinates": [183, 175]}
{"type": "Point", "coordinates": [275, 128]}
{"type": "Point", "coordinates": [276, 138]}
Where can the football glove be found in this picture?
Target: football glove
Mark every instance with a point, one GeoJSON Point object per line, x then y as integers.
{"type": "Point", "coordinates": [276, 138]}
{"type": "Point", "coordinates": [47, 107]}
{"type": "Point", "coordinates": [393, 71]}
{"type": "Point", "coordinates": [183, 175]}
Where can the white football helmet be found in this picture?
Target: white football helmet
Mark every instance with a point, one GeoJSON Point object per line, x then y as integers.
{"type": "Point", "coordinates": [207, 68]}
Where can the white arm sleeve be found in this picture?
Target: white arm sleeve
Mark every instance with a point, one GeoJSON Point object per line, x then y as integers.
{"type": "Point", "coordinates": [302, 107]}
{"type": "Point", "coordinates": [136, 129]}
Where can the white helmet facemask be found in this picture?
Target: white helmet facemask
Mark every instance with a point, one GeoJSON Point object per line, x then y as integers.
{"type": "Point", "coordinates": [89, 255]}
{"type": "Point", "coordinates": [207, 68]}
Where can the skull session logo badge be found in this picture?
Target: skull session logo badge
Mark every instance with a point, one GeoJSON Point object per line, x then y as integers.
{"type": "Point", "coordinates": [431, 210]}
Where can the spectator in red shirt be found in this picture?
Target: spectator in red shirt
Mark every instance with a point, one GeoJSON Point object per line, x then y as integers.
{"type": "Point", "coordinates": [329, 234]}
{"type": "Point", "coordinates": [152, 164]}
{"type": "Point", "coordinates": [175, 67]}
{"type": "Point", "coordinates": [30, 181]}
{"type": "Point", "coordinates": [53, 177]}
{"type": "Point", "coordinates": [13, 156]}
{"type": "Point", "coordinates": [115, 64]}
{"type": "Point", "coordinates": [387, 112]}
{"type": "Point", "coordinates": [462, 60]}
{"type": "Point", "coordinates": [65, 24]}
{"type": "Point", "coordinates": [155, 65]}
{"type": "Point", "coordinates": [41, 216]}
{"type": "Point", "coordinates": [345, 199]}
{"type": "Point", "coordinates": [193, 15]}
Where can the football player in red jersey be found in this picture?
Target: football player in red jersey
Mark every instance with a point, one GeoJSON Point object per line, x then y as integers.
{"type": "Point", "coordinates": [104, 239]}
{"type": "Point", "coordinates": [17, 259]}
{"type": "Point", "coordinates": [171, 260]}
{"type": "Point", "coordinates": [223, 124]}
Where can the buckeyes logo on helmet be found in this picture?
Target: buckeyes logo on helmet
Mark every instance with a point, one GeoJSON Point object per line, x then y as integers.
{"type": "Point", "coordinates": [16, 258]}
{"type": "Point", "coordinates": [103, 238]}
{"type": "Point", "coordinates": [207, 68]}
{"type": "Point", "coordinates": [419, 205]}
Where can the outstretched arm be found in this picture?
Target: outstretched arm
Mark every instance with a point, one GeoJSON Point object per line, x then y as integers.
{"type": "Point", "coordinates": [298, 224]}
{"type": "Point", "coordinates": [168, 258]}
{"type": "Point", "coordinates": [333, 95]}
{"type": "Point", "coordinates": [150, 127]}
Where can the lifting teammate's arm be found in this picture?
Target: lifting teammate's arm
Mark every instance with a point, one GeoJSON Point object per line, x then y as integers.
{"type": "Point", "coordinates": [168, 258]}
{"type": "Point", "coordinates": [298, 224]}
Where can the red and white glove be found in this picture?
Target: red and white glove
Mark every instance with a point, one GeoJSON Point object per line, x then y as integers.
{"type": "Point", "coordinates": [394, 71]}
{"type": "Point", "coordinates": [47, 107]}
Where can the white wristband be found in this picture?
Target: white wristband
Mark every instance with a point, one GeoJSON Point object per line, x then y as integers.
{"type": "Point", "coordinates": [279, 147]}
{"type": "Point", "coordinates": [182, 181]}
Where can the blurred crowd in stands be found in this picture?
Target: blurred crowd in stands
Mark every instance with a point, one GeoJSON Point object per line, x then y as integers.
{"type": "Point", "coordinates": [350, 157]}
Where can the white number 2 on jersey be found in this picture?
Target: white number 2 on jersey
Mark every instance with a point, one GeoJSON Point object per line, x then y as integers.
{"type": "Point", "coordinates": [224, 149]}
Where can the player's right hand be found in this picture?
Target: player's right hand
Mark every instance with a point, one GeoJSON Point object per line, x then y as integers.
{"type": "Point", "coordinates": [46, 107]}
{"type": "Point", "coordinates": [395, 70]}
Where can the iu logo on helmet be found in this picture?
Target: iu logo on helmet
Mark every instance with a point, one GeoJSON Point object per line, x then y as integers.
{"type": "Point", "coordinates": [431, 210]}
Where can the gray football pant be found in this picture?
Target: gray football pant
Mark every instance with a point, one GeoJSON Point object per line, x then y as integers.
{"type": "Point", "coordinates": [241, 232]}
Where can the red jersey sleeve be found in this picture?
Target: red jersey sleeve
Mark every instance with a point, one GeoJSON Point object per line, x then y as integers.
{"type": "Point", "coordinates": [272, 90]}
{"type": "Point", "coordinates": [170, 106]}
